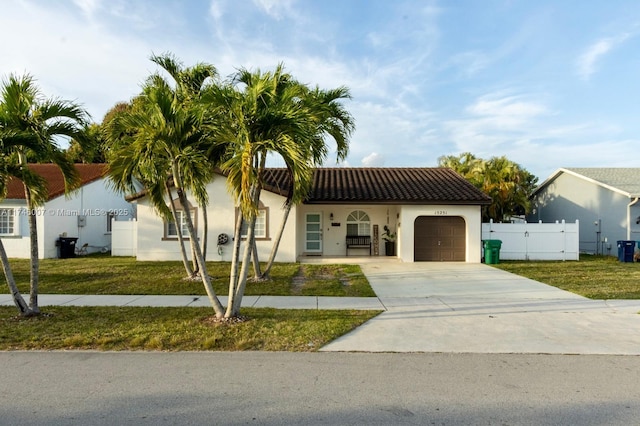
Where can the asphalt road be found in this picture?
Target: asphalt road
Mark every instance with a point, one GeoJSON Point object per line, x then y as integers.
{"type": "Point", "coordinates": [261, 388]}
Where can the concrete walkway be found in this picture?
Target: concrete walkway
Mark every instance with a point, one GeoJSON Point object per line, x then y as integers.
{"type": "Point", "coordinates": [281, 302]}
{"type": "Point", "coordinates": [446, 307]}
{"type": "Point", "coordinates": [460, 307]}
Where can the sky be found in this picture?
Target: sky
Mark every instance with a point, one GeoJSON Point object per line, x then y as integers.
{"type": "Point", "coordinates": [546, 83]}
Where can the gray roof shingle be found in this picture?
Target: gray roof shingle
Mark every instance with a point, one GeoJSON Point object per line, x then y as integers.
{"type": "Point", "coordinates": [624, 179]}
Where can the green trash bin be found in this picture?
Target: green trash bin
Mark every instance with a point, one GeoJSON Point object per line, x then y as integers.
{"type": "Point", "coordinates": [492, 251]}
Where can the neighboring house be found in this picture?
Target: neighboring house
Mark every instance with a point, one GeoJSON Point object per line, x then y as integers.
{"type": "Point", "coordinates": [604, 200]}
{"type": "Point", "coordinates": [434, 211]}
{"type": "Point", "coordinates": [86, 214]}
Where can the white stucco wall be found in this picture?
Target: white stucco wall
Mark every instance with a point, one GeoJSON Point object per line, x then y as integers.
{"type": "Point", "coordinates": [17, 246]}
{"type": "Point", "coordinates": [151, 244]}
{"type": "Point", "coordinates": [334, 232]}
{"type": "Point", "coordinates": [602, 212]}
{"type": "Point", "coordinates": [470, 214]}
{"type": "Point", "coordinates": [60, 215]}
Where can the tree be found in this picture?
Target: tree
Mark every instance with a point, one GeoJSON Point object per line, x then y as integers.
{"type": "Point", "coordinates": [162, 141]}
{"type": "Point", "coordinates": [31, 126]}
{"type": "Point", "coordinates": [91, 149]}
{"type": "Point", "coordinates": [331, 119]}
{"type": "Point", "coordinates": [507, 183]}
{"type": "Point", "coordinates": [186, 88]}
{"type": "Point", "coordinates": [271, 113]}
{"type": "Point", "coordinates": [189, 85]}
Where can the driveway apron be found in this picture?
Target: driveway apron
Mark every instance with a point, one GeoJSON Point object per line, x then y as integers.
{"type": "Point", "coordinates": [464, 307]}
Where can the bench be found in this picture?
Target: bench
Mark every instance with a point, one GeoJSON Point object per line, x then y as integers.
{"type": "Point", "coordinates": [358, 241]}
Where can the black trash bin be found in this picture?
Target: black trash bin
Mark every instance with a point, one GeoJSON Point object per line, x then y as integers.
{"type": "Point", "coordinates": [66, 247]}
{"type": "Point", "coordinates": [625, 250]}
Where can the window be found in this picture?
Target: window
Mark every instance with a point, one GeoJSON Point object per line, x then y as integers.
{"type": "Point", "coordinates": [358, 223]}
{"type": "Point", "coordinates": [261, 229]}
{"type": "Point", "coordinates": [110, 216]}
{"type": "Point", "coordinates": [170, 229]}
{"type": "Point", "coordinates": [7, 221]}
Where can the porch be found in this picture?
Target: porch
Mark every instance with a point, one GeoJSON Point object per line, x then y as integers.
{"type": "Point", "coordinates": [352, 260]}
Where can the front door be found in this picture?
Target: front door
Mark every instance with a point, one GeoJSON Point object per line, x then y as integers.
{"type": "Point", "coordinates": [313, 232]}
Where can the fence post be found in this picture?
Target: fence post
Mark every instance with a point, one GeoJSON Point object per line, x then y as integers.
{"type": "Point", "coordinates": [564, 240]}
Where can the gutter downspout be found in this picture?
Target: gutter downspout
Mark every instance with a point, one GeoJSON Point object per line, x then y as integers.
{"type": "Point", "coordinates": [631, 204]}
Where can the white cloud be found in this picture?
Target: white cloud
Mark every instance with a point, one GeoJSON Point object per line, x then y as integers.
{"type": "Point", "coordinates": [403, 135]}
{"type": "Point", "coordinates": [276, 9]}
{"type": "Point", "coordinates": [216, 10]}
{"type": "Point", "coordinates": [471, 62]}
{"type": "Point", "coordinates": [88, 7]}
{"type": "Point", "coordinates": [588, 60]}
{"type": "Point", "coordinates": [529, 132]}
{"type": "Point", "coordinates": [83, 61]}
{"type": "Point", "coordinates": [509, 106]}
{"type": "Point", "coordinates": [373, 160]}
{"type": "Point", "coordinates": [494, 120]}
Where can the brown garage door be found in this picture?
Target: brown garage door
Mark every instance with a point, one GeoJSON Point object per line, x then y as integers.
{"type": "Point", "coordinates": [439, 238]}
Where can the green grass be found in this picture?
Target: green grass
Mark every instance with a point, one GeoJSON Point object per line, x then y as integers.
{"type": "Point", "coordinates": [174, 329]}
{"type": "Point", "coordinates": [117, 275]}
{"type": "Point", "coordinates": [334, 280]}
{"type": "Point", "coordinates": [596, 277]}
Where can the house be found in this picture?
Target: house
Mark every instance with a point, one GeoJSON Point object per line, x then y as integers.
{"type": "Point", "coordinates": [604, 200]}
{"type": "Point", "coordinates": [86, 214]}
{"type": "Point", "coordinates": [435, 213]}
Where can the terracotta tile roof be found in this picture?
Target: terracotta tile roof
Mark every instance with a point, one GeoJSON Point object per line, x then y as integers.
{"type": "Point", "coordinates": [88, 173]}
{"type": "Point", "coordinates": [358, 185]}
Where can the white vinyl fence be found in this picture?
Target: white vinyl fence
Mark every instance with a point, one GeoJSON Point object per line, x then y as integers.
{"type": "Point", "coordinates": [124, 238]}
{"type": "Point", "coordinates": [535, 241]}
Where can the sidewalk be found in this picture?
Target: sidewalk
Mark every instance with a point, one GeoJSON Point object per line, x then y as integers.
{"type": "Point", "coordinates": [281, 302]}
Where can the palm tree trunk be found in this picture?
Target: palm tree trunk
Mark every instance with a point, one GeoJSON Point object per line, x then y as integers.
{"type": "Point", "coordinates": [34, 261]}
{"type": "Point", "coordinates": [257, 272]}
{"type": "Point", "coordinates": [194, 258]}
{"type": "Point", "coordinates": [233, 308]}
{"type": "Point", "coordinates": [276, 243]}
{"type": "Point", "coordinates": [11, 282]}
{"type": "Point", "coordinates": [235, 257]}
{"type": "Point", "coordinates": [244, 271]}
{"type": "Point", "coordinates": [183, 251]}
{"type": "Point", "coordinates": [206, 279]}
{"type": "Point", "coordinates": [205, 231]}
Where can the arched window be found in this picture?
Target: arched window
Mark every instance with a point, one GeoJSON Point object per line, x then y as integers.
{"type": "Point", "coordinates": [358, 223]}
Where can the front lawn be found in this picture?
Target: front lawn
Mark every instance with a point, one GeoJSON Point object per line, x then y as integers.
{"type": "Point", "coordinates": [596, 277]}
{"type": "Point", "coordinates": [174, 329]}
{"type": "Point", "coordinates": [102, 274]}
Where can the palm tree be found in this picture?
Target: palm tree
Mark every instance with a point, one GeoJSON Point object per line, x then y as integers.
{"type": "Point", "coordinates": [330, 119]}
{"type": "Point", "coordinates": [161, 141]}
{"type": "Point", "coordinates": [187, 85]}
{"type": "Point", "coordinates": [36, 123]}
{"type": "Point", "coordinates": [507, 183]}
{"type": "Point", "coordinates": [269, 114]}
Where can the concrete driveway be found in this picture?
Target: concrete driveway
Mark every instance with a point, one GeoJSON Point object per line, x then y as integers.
{"type": "Point", "coordinates": [461, 307]}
